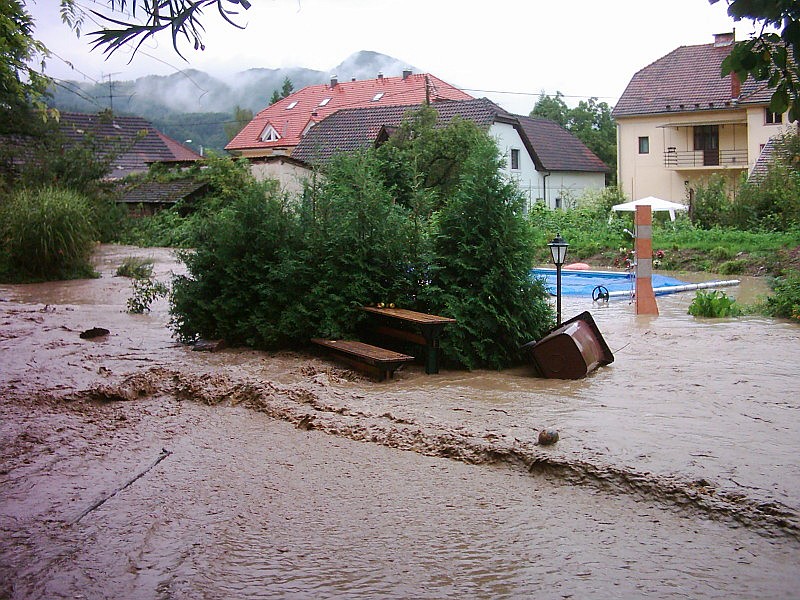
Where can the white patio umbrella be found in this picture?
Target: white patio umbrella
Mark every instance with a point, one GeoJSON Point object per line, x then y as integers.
{"type": "Point", "coordinates": [655, 204]}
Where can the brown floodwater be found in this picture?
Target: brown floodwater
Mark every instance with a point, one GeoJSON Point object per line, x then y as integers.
{"type": "Point", "coordinates": [285, 475]}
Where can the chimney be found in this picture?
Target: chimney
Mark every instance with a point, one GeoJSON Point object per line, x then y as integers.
{"type": "Point", "coordinates": [724, 39]}
{"type": "Point", "coordinates": [334, 81]}
{"type": "Point", "coordinates": [380, 75]}
{"type": "Point", "coordinates": [406, 73]}
{"type": "Point", "coordinates": [736, 86]}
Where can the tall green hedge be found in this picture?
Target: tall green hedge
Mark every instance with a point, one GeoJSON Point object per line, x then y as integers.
{"type": "Point", "coordinates": [270, 272]}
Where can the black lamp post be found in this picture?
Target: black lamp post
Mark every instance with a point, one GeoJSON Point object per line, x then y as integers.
{"type": "Point", "coordinates": [558, 250]}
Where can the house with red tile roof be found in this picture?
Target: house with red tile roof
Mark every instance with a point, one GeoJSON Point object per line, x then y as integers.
{"type": "Point", "coordinates": [679, 122]}
{"type": "Point", "coordinates": [269, 140]}
{"type": "Point", "coordinates": [548, 163]}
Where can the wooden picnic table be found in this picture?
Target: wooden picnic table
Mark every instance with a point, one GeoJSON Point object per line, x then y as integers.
{"type": "Point", "coordinates": [430, 326]}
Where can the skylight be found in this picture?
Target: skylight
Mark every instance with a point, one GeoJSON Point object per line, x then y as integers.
{"type": "Point", "coordinates": [324, 101]}
{"type": "Point", "coordinates": [291, 105]}
{"type": "Point", "coordinates": [377, 96]}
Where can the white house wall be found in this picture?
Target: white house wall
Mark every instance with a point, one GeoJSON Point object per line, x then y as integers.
{"type": "Point", "coordinates": [554, 189]}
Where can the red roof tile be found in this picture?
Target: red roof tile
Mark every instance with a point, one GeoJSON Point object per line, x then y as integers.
{"type": "Point", "coordinates": [290, 116]}
{"type": "Point", "coordinates": [686, 80]}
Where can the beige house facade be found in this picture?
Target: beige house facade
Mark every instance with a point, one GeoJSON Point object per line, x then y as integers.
{"type": "Point", "coordinates": [679, 123]}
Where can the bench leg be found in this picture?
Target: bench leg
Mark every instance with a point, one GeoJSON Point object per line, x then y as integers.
{"type": "Point", "coordinates": [431, 334]}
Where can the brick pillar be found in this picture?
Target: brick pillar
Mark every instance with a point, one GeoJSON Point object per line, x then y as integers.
{"type": "Point", "coordinates": [645, 298]}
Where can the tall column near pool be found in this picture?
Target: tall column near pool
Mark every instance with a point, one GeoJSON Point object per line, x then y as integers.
{"type": "Point", "coordinates": [645, 297]}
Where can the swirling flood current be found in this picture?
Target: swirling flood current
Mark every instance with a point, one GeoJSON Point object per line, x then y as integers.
{"type": "Point", "coordinates": [133, 467]}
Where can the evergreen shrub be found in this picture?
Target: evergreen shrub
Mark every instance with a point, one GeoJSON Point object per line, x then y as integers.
{"type": "Point", "coordinates": [270, 273]}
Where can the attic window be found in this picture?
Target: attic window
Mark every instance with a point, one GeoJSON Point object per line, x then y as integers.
{"type": "Point", "coordinates": [270, 135]}
{"type": "Point", "coordinates": [308, 127]}
{"type": "Point", "coordinates": [377, 96]}
{"type": "Point", "coordinates": [324, 101]}
{"type": "Point", "coordinates": [291, 105]}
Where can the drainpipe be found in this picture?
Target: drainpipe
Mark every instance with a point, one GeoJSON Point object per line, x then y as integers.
{"type": "Point", "coordinates": [545, 175]}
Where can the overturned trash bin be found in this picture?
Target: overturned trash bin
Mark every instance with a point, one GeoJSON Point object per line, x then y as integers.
{"type": "Point", "coordinates": [570, 351]}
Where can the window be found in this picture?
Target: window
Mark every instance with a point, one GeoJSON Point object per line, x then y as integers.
{"type": "Point", "coordinates": [515, 159]}
{"type": "Point", "coordinates": [773, 118]}
{"type": "Point", "coordinates": [644, 145]}
{"type": "Point", "coordinates": [269, 134]}
{"type": "Point", "coordinates": [291, 105]}
{"type": "Point", "coordinates": [377, 96]}
{"type": "Point", "coordinates": [324, 101]}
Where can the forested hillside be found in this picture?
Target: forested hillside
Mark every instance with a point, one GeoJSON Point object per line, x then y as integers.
{"type": "Point", "coordinates": [193, 105]}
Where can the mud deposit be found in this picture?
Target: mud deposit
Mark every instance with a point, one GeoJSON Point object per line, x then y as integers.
{"type": "Point", "coordinates": [133, 467]}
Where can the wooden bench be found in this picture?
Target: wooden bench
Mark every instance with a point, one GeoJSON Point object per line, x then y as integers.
{"type": "Point", "coordinates": [371, 360]}
{"type": "Point", "coordinates": [429, 327]}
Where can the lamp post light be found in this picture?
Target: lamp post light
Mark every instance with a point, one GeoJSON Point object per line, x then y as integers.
{"type": "Point", "coordinates": [558, 250]}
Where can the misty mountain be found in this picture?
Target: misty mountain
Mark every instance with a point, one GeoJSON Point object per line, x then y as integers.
{"type": "Point", "coordinates": [193, 105]}
{"type": "Point", "coordinates": [193, 91]}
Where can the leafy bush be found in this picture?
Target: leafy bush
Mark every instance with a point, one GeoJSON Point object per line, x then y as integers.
{"type": "Point", "coordinates": [135, 267]}
{"type": "Point", "coordinates": [714, 304]}
{"type": "Point", "coordinates": [772, 202]}
{"type": "Point", "coordinates": [710, 205]}
{"type": "Point", "coordinates": [785, 298]}
{"type": "Point", "coordinates": [732, 267]}
{"type": "Point", "coordinates": [145, 291]}
{"type": "Point", "coordinates": [47, 234]}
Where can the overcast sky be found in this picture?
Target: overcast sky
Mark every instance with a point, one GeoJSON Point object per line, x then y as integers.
{"type": "Point", "coordinates": [582, 48]}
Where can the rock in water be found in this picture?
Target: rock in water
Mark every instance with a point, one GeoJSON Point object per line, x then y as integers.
{"type": "Point", "coordinates": [94, 332]}
{"type": "Point", "coordinates": [548, 436]}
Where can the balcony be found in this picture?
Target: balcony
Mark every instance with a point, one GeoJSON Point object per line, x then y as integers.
{"type": "Point", "coordinates": [699, 159]}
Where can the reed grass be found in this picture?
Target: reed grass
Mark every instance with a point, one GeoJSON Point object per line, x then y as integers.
{"type": "Point", "coordinates": [47, 234]}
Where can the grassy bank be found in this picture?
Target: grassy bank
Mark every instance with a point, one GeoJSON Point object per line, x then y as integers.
{"type": "Point", "coordinates": [677, 245]}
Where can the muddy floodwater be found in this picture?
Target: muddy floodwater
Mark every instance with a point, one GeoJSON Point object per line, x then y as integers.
{"type": "Point", "coordinates": [134, 467]}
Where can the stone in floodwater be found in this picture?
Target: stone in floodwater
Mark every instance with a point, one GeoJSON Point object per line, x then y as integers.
{"type": "Point", "coordinates": [548, 436]}
{"type": "Point", "coordinates": [94, 332]}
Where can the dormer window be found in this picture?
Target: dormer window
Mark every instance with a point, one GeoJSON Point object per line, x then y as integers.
{"type": "Point", "coordinates": [324, 101]}
{"type": "Point", "coordinates": [270, 135]}
{"type": "Point", "coordinates": [291, 105]}
{"type": "Point", "coordinates": [308, 127]}
{"type": "Point", "coordinates": [377, 96]}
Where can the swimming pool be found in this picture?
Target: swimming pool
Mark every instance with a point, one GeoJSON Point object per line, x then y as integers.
{"type": "Point", "coordinates": [582, 283]}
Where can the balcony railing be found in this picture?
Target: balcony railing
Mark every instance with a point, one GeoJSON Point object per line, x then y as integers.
{"type": "Point", "coordinates": [678, 159]}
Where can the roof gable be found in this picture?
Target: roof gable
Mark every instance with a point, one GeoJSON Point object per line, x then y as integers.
{"type": "Point", "coordinates": [688, 79]}
{"type": "Point", "coordinates": [290, 115]}
{"type": "Point", "coordinates": [557, 149]}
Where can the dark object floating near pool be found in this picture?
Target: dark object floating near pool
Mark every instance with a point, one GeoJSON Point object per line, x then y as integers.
{"type": "Point", "coordinates": [94, 332]}
{"type": "Point", "coordinates": [570, 351]}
